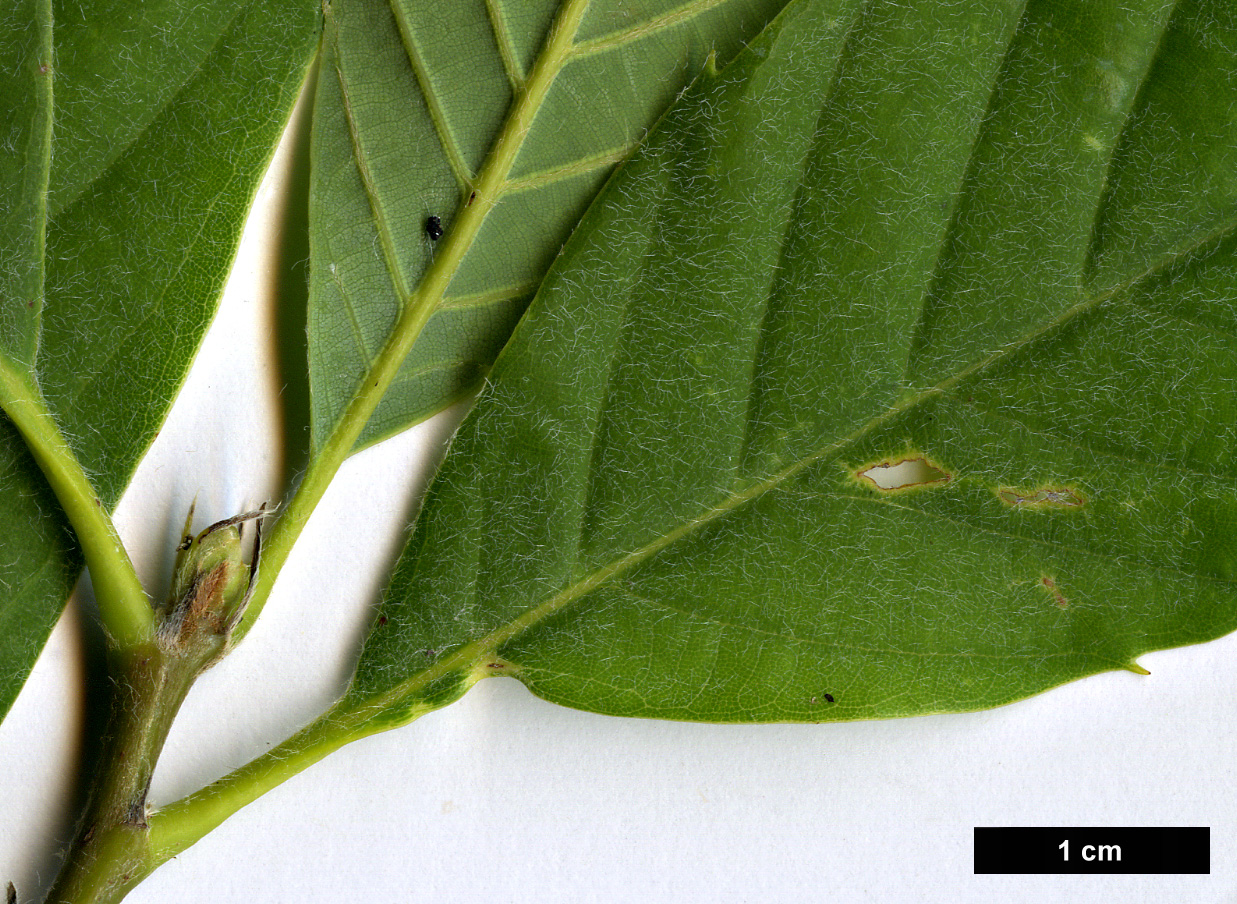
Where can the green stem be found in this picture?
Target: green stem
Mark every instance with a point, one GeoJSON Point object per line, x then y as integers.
{"type": "Point", "coordinates": [490, 186]}
{"type": "Point", "coordinates": [123, 604]}
{"type": "Point", "coordinates": [112, 851]}
{"type": "Point", "coordinates": [178, 826]}
{"type": "Point", "coordinates": [174, 828]}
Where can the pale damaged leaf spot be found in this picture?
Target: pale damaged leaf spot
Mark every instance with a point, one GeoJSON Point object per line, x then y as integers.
{"type": "Point", "coordinates": [909, 473]}
{"type": "Point", "coordinates": [1042, 498]}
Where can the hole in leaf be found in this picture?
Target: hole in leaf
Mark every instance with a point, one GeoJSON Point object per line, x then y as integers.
{"type": "Point", "coordinates": [914, 471]}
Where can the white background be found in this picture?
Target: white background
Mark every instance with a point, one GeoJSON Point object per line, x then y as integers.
{"type": "Point", "coordinates": [504, 798]}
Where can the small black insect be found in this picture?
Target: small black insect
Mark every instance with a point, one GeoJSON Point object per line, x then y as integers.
{"type": "Point", "coordinates": [433, 228]}
{"type": "Point", "coordinates": [829, 698]}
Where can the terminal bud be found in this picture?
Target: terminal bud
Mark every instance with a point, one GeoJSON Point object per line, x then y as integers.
{"type": "Point", "coordinates": [211, 587]}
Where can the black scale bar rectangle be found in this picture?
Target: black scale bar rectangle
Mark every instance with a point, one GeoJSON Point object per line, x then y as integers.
{"type": "Point", "coordinates": [1147, 851]}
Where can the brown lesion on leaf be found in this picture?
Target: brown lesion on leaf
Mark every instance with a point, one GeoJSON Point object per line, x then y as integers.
{"type": "Point", "coordinates": [1042, 498]}
{"type": "Point", "coordinates": [911, 471]}
{"type": "Point", "coordinates": [494, 665]}
{"type": "Point", "coordinates": [1050, 585]}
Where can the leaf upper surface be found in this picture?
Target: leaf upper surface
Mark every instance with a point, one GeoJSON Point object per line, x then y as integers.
{"type": "Point", "coordinates": [891, 232]}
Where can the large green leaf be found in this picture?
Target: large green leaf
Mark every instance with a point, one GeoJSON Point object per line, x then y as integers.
{"type": "Point", "coordinates": [992, 238]}
{"type": "Point", "coordinates": [150, 180]}
{"type": "Point", "coordinates": [411, 102]}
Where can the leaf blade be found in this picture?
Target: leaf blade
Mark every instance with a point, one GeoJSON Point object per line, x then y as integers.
{"type": "Point", "coordinates": [447, 78]}
{"type": "Point", "coordinates": [159, 274]}
{"type": "Point", "coordinates": [26, 121]}
{"type": "Point", "coordinates": [631, 561]}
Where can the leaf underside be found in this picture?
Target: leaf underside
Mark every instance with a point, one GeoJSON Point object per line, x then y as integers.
{"type": "Point", "coordinates": [150, 180]}
{"type": "Point", "coordinates": [410, 99]}
{"type": "Point", "coordinates": [995, 239]}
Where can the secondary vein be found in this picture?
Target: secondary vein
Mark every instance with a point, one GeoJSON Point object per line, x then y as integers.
{"type": "Point", "coordinates": [577, 167]}
{"type": "Point", "coordinates": [506, 48]}
{"type": "Point", "coordinates": [446, 139]}
{"type": "Point", "coordinates": [684, 13]}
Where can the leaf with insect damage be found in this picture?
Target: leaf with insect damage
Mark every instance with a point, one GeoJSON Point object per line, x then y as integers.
{"type": "Point", "coordinates": [988, 246]}
{"type": "Point", "coordinates": [149, 182]}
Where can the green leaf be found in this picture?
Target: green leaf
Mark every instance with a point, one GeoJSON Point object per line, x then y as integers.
{"type": "Point", "coordinates": [994, 241]}
{"type": "Point", "coordinates": [26, 126]}
{"type": "Point", "coordinates": [151, 177]}
{"type": "Point", "coordinates": [138, 257]}
{"type": "Point", "coordinates": [411, 102]}
{"type": "Point", "coordinates": [38, 565]}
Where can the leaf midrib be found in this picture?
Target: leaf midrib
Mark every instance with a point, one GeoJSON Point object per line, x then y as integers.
{"type": "Point", "coordinates": [416, 305]}
{"type": "Point", "coordinates": [484, 190]}
{"type": "Point", "coordinates": [466, 656]}
{"type": "Point", "coordinates": [491, 184]}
